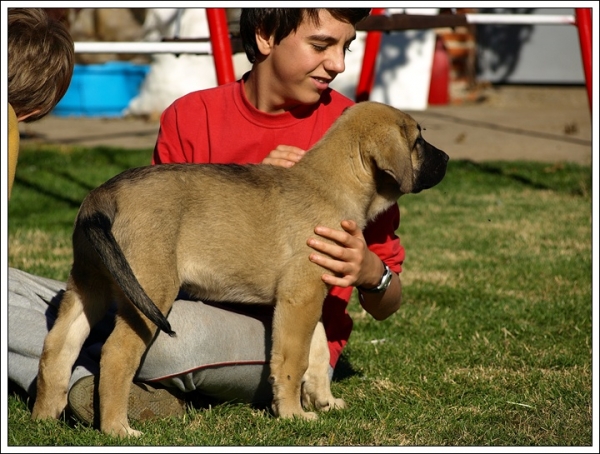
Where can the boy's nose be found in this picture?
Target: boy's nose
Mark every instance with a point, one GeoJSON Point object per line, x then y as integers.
{"type": "Point", "coordinates": [335, 62]}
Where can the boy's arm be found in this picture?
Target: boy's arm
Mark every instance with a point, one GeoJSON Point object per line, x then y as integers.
{"type": "Point", "coordinates": [183, 133]}
{"type": "Point", "coordinates": [381, 305]}
{"type": "Point", "coordinates": [383, 241]}
{"type": "Point", "coordinates": [355, 259]}
{"type": "Point", "coordinates": [168, 148]}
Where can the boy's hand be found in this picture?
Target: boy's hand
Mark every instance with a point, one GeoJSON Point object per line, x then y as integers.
{"type": "Point", "coordinates": [284, 156]}
{"type": "Point", "coordinates": [349, 258]}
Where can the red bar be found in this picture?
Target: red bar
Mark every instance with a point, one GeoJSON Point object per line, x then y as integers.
{"type": "Point", "coordinates": [367, 73]}
{"type": "Point", "coordinates": [583, 20]}
{"type": "Point", "coordinates": [221, 44]}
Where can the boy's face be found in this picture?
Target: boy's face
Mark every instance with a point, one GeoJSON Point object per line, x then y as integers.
{"type": "Point", "coordinates": [305, 62]}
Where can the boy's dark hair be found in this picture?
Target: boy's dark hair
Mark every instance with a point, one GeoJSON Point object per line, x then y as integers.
{"type": "Point", "coordinates": [280, 22]}
{"type": "Point", "coordinates": [41, 58]}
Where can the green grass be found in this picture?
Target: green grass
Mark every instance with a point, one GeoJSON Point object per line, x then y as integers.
{"type": "Point", "coordinates": [492, 346]}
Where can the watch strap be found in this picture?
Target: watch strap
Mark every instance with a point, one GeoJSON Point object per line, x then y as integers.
{"type": "Point", "coordinates": [386, 279]}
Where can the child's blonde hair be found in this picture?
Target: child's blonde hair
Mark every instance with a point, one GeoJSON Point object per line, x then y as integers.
{"type": "Point", "coordinates": [41, 58]}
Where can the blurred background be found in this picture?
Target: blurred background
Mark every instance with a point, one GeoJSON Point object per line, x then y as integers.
{"type": "Point", "coordinates": [414, 68]}
{"type": "Point", "coordinates": [482, 91]}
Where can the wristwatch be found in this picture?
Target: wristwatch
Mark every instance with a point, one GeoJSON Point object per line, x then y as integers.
{"type": "Point", "coordinates": [386, 279]}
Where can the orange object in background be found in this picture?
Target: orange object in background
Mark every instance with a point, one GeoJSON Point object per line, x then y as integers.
{"type": "Point", "coordinates": [439, 87]}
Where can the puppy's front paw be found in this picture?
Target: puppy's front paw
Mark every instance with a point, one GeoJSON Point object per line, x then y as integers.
{"type": "Point", "coordinates": [292, 411]}
{"type": "Point", "coordinates": [320, 397]}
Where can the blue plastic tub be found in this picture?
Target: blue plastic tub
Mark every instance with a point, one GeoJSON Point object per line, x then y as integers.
{"type": "Point", "coordinates": [101, 90]}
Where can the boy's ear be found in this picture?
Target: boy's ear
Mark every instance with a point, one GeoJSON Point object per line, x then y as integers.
{"type": "Point", "coordinates": [264, 42]}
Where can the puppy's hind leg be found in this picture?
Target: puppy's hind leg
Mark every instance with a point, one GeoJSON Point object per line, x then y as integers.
{"type": "Point", "coordinates": [79, 310]}
{"type": "Point", "coordinates": [122, 353]}
{"type": "Point", "coordinates": [316, 386]}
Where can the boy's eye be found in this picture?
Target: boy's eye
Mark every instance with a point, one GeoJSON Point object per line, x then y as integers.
{"type": "Point", "coordinates": [323, 48]}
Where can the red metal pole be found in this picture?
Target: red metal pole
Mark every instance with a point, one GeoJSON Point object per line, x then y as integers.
{"type": "Point", "coordinates": [221, 44]}
{"type": "Point", "coordinates": [583, 20]}
{"type": "Point", "coordinates": [367, 72]}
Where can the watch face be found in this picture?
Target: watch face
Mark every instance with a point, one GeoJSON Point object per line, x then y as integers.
{"type": "Point", "coordinates": [387, 278]}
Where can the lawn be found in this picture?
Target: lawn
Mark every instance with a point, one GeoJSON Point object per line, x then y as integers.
{"type": "Point", "coordinates": [492, 346]}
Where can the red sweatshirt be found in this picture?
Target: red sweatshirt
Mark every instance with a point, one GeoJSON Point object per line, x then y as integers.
{"type": "Point", "coordinates": [219, 125]}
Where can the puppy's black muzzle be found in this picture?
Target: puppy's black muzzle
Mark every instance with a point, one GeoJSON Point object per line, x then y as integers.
{"type": "Point", "coordinates": [433, 168]}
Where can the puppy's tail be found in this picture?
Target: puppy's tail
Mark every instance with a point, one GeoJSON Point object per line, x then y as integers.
{"type": "Point", "coordinates": [97, 226]}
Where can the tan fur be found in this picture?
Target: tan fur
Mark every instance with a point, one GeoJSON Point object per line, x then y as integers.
{"type": "Point", "coordinates": [228, 233]}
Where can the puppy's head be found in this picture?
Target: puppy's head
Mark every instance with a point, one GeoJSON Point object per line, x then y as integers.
{"type": "Point", "coordinates": [392, 146]}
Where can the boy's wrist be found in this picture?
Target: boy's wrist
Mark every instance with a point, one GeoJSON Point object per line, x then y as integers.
{"type": "Point", "coordinates": [384, 283]}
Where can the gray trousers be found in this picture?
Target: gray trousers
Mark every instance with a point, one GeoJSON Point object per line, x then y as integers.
{"type": "Point", "coordinates": [220, 351]}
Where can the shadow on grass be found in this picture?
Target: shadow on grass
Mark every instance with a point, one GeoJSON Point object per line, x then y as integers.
{"type": "Point", "coordinates": [559, 177]}
{"type": "Point", "coordinates": [344, 370]}
{"type": "Point", "coordinates": [114, 160]}
{"type": "Point", "coordinates": [42, 190]}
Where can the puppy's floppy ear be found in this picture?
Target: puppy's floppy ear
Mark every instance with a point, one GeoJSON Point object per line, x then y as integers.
{"type": "Point", "coordinates": [394, 158]}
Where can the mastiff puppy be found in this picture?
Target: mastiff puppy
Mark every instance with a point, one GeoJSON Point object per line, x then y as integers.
{"type": "Point", "coordinates": [138, 250]}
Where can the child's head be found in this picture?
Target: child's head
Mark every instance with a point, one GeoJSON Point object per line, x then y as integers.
{"type": "Point", "coordinates": [41, 57]}
{"type": "Point", "coordinates": [280, 22]}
